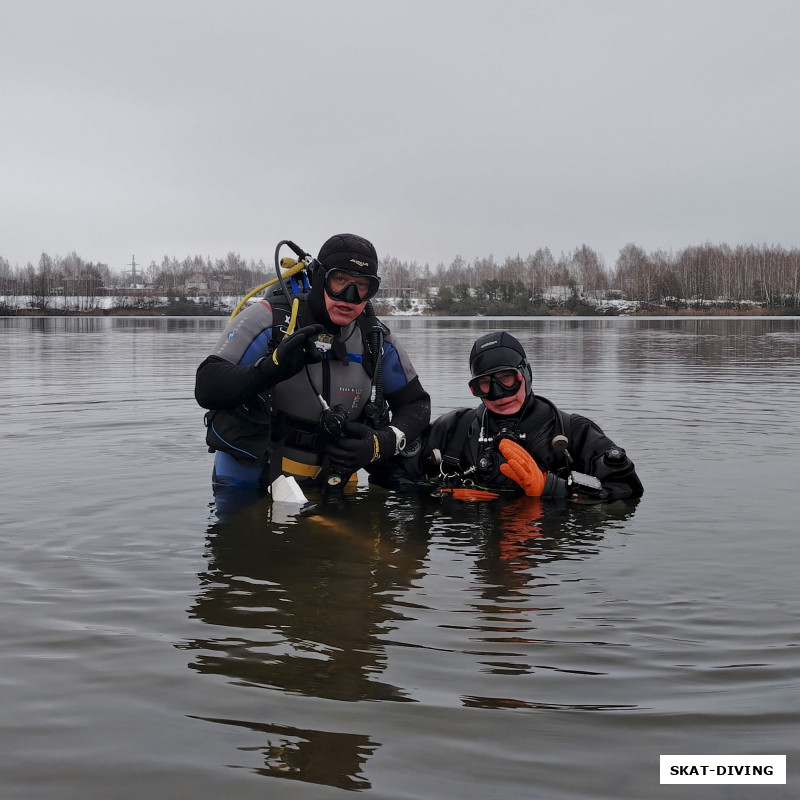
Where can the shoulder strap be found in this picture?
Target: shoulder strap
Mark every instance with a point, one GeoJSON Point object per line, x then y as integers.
{"type": "Point", "coordinates": [373, 332]}
{"type": "Point", "coordinates": [458, 435]}
{"type": "Point", "coordinates": [565, 424]}
{"type": "Point", "coordinates": [562, 417]}
{"type": "Point", "coordinates": [282, 314]}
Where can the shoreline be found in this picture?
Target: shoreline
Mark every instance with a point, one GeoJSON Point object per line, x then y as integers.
{"type": "Point", "coordinates": [661, 312]}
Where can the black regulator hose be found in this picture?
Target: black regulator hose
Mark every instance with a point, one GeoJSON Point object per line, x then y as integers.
{"type": "Point", "coordinates": [301, 255]}
{"type": "Point", "coordinates": [375, 410]}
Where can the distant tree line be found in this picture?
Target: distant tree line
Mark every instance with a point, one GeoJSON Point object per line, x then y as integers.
{"type": "Point", "coordinates": [71, 284]}
{"type": "Point", "coordinates": [767, 276]}
{"type": "Point", "coordinates": [696, 276]}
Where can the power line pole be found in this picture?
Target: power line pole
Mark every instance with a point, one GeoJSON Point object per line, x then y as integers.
{"type": "Point", "coordinates": [132, 265]}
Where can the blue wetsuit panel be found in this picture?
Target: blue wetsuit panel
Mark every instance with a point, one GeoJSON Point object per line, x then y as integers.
{"type": "Point", "coordinates": [257, 348]}
{"type": "Point", "coordinates": [229, 472]}
{"type": "Point", "coordinates": [394, 376]}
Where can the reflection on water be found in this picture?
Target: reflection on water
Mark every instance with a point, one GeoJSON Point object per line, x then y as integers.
{"type": "Point", "coordinates": [333, 759]}
{"type": "Point", "coordinates": [306, 605]}
{"type": "Point", "coordinates": [305, 610]}
{"type": "Point", "coordinates": [312, 607]}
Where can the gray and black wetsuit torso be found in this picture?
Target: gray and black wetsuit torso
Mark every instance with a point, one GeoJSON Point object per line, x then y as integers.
{"type": "Point", "coordinates": [258, 435]}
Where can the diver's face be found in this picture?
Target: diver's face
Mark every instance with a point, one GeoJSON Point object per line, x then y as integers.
{"type": "Point", "coordinates": [507, 406]}
{"type": "Point", "coordinates": [342, 313]}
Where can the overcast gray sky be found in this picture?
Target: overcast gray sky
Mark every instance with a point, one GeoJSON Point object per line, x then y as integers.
{"type": "Point", "coordinates": [436, 128]}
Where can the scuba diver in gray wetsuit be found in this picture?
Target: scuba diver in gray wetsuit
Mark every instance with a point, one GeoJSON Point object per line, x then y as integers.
{"type": "Point", "coordinates": [514, 442]}
{"type": "Point", "coordinates": [307, 382]}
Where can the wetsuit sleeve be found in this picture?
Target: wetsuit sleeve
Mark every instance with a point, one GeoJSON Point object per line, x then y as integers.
{"type": "Point", "coordinates": [409, 402]}
{"type": "Point", "coordinates": [594, 453]}
{"type": "Point", "coordinates": [396, 366]}
{"type": "Point", "coordinates": [228, 376]}
{"type": "Point", "coordinates": [220, 384]}
{"type": "Point", "coordinates": [411, 408]}
{"type": "Point", "coordinates": [411, 473]}
{"type": "Point", "coordinates": [453, 435]}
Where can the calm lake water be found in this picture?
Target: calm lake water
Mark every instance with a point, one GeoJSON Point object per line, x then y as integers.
{"type": "Point", "coordinates": [405, 648]}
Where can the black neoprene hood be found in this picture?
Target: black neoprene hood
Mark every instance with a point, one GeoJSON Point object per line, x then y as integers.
{"type": "Point", "coordinates": [494, 352]}
{"type": "Point", "coordinates": [349, 252]}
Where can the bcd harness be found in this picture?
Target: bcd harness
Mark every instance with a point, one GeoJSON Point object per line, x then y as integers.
{"type": "Point", "coordinates": [249, 431]}
{"type": "Point", "coordinates": [306, 434]}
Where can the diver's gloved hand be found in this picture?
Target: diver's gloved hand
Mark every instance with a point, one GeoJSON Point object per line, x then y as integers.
{"type": "Point", "coordinates": [360, 445]}
{"type": "Point", "coordinates": [290, 356]}
{"type": "Point", "coordinates": [521, 468]}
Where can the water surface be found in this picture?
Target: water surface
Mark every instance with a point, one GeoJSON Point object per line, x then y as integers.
{"type": "Point", "coordinates": [398, 647]}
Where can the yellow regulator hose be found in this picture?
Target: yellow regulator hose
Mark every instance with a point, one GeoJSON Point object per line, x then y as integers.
{"type": "Point", "coordinates": [291, 267]}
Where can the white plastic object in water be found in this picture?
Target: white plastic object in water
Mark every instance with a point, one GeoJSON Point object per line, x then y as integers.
{"type": "Point", "coordinates": [286, 490]}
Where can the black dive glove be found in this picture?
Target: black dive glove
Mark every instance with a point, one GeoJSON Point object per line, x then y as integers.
{"type": "Point", "coordinates": [360, 445]}
{"type": "Point", "coordinates": [290, 356]}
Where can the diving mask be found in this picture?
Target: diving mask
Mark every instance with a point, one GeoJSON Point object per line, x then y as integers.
{"type": "Point", "coordinates": [349, 286]}
{"type": "Point", "coordinates": [496, 385]}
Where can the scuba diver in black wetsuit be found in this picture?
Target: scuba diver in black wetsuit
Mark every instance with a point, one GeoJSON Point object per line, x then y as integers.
{"type": "Point", "coordinates": [515, 442]}
{"type": "Point", "coordinates": [308, 383]}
